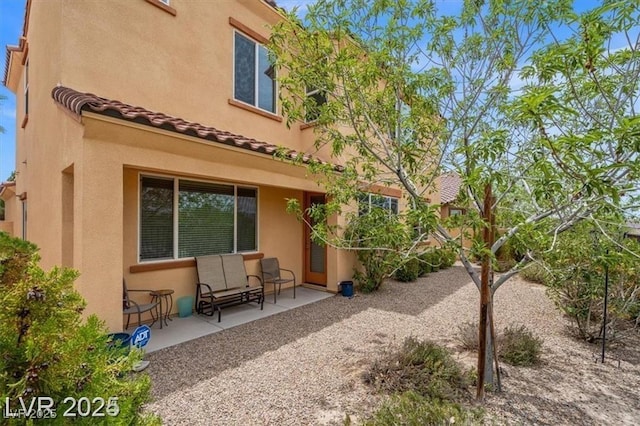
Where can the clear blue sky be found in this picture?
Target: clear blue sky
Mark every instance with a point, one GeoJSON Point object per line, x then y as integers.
{"type": "Point", "coordinates": [11, 19]}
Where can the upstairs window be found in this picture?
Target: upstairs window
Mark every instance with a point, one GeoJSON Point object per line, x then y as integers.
{"type": "Point", "coordinates": [367, 201]}
{"type": "Point", "coordinates": [454, 211]}
{"type": "Point", "coordinates": [315, 98]}
{"type": "Point", "coordinates": [254, 75]}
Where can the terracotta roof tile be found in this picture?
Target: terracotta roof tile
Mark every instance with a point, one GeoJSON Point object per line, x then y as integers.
{"type": "Point", "coordinates": [76, 102]}
{"type": "Point", "coordinates": [449, 187]}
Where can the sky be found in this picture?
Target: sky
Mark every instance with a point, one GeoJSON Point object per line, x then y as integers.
{"type": "Point", "coordinates": [11, 19]}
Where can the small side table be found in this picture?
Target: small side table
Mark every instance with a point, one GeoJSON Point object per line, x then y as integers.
{"type": "Point", "coordinates": [167, 296]}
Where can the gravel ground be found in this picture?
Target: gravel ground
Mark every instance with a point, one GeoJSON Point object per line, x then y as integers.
{"type": "Point", "coordinates": [303, 366]}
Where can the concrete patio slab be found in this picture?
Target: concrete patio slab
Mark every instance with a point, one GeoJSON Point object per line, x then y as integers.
{"type": "Point", "coordinates": [180, 330]}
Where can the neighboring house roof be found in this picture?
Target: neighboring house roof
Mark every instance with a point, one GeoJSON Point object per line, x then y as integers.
{"type": "Point", "coordinates": [76, 102]}
{"type": "Point", "coordinates": [450, 184]}
{"type": "Point", "coordinates": [6, 186]}
{"type": "Point", "coordinates": [633, 229]}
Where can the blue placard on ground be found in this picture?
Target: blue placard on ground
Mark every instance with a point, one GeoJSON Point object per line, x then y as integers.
{"type": "Point", "coordinates": [141, 336]}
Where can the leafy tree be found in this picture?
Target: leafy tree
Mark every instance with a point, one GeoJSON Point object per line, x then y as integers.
{"type": "Point", "coordinates": [533, 104]}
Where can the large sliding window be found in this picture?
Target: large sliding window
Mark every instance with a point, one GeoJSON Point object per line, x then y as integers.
{"type": "Point", "coordinates": [254, 75]}
{"type": "Point", "coordinates": [183, 218]}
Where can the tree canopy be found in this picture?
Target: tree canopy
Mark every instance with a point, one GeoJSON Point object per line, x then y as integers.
{"type": "Point", "coordinates": [537, 100]}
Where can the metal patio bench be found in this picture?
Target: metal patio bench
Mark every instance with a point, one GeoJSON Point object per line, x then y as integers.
{"type": "Point", "coordinates": [223, 281]}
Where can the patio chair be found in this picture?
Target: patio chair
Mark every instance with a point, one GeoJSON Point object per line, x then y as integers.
{"type": "Point", "coordinates": [272, 274]}
{"type": "Point", "coordinates": [131, 307]}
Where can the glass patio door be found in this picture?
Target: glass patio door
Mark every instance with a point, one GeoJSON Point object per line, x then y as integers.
{"type": "Point", "coordinates": [315, 255]}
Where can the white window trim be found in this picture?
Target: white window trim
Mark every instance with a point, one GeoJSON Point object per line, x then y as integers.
{"type": "Point", "coordinates": [386, 197]}
{"type": "Point", "coordinates": [256, 88]}
{"type": "Point", "coordinates": [165, 2]}
{"type": "Point", "coordinates": [308, 94]}
{"type": "Point", "coordinates": [176, 223]}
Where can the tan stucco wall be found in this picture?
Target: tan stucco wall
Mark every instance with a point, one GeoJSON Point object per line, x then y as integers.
{"type": "Point", "coordinates": [134, 150]}
{"type": "Point", "coordinates": [181, 65]}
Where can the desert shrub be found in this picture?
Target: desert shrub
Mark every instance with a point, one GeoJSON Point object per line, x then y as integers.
{"type": "Point", "coordinates": [411, 408]}
{"type": "Point", "coordinates": [421, 367]}
{"type": "Point", "coordinates": [519, 346]}
{"type": "Point", "coordinates": [468, 336]}
{"type": "Point", "coordinates": [46, 349]}
{"type": "Point", "coordinates": [380, 238]}
{"type": "Point", "coordinates": [409, 271]}
{"type": "Point", "coordinates": [447, 257]}
{"type": "Point", "coordinates": [430, 261]}
{"type": "Point", "coordinates": [425, 263]}
{"type": "Point", "coordinates": [536, 272]}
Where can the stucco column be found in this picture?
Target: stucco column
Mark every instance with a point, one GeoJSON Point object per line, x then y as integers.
{"type": "Point", "coordinates": [339, 262]}
{"type": "Point", "coordinates": [98, 239]}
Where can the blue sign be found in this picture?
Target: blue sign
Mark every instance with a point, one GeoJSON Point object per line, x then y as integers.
{"type": "Point", "coordinates": [141, 336]}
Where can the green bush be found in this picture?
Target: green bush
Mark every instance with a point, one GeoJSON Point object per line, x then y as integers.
{"type": "Point", "coordinates": [46, 349]}
{"type": "Point", "coordinates": [409, 271]}
{"type": "Point", "coordinates": [448, 257]}
{"type": "Point", "coordinates": [425, 263]}
{"type": "Point", "coordinates": [518, 346]}
{"type": "Point", "coordinates": [411, 408]}
{"type": "Point", "coordinates": [430, 261]}
{"type": "Point", "coordinates": [380, 239]}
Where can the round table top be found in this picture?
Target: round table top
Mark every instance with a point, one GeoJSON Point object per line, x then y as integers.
{"type": "Point", "coordinates": [163, 292]}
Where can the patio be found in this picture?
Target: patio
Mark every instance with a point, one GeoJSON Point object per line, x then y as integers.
{"type": "Point", "coordinates": [181, 330]}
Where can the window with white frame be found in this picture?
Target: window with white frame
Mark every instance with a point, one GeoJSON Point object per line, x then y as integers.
{"type": "Point", "coordinates": [315, 99]}
{"type": "Point", "coordinates": [184, 218]}
{"type": "Point", "coordinates": [254, 75]}
{"type": "Point", "coordinates": [367, 201]}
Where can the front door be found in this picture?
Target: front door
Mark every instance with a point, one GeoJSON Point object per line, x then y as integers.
{"type": "Point", "coordinates": [315, 255]}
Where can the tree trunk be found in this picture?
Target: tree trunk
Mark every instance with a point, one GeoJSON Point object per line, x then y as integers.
{"type": "Point", "coordinates": [485, 348]}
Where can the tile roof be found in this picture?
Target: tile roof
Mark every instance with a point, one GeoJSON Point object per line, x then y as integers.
{"type": "Point", "coordinates": [76, 102]}
{"type": "Point", "coordinates": [449, 187]}
{"type": "Point", "coordinates": [5, 186]}
{"type": "Point", "coordinates": [633, 229]}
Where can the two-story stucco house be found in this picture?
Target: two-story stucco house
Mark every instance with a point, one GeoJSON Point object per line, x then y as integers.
{"type": "Point", "coordinates": [146, 133]}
